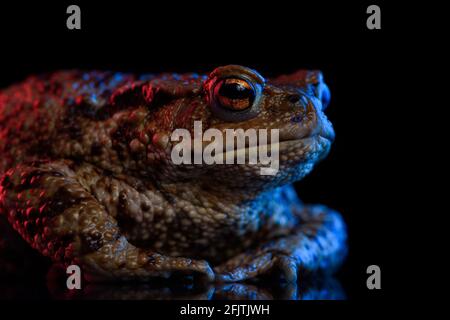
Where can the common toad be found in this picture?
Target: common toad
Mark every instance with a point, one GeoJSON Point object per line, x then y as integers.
{"type": "Point", "coordinates": [87, 176]}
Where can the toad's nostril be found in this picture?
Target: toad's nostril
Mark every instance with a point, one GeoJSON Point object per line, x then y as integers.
{"type": "Point", "coordinates": [293, 98]}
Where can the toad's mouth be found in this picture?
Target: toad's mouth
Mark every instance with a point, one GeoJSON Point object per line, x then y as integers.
{"type": "Point", "coordinates": [286, 144]}
{"type": "Point", "coordinates": [316, 145]}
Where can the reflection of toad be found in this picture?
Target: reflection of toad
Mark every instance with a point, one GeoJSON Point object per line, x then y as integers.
{"type": "Point", "coordinates": [87, 176]}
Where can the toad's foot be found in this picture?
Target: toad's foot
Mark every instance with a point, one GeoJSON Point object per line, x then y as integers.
{"type": "Point", "coordinates": [317, 243]}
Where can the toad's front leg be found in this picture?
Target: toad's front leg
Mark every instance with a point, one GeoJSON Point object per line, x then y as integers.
{"type": "Point", "coordinates": [59, 217]}
{"type": "Point", "coordinates": [317, 243]}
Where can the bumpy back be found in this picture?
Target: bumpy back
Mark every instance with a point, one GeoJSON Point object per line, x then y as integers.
{"type": "Point", "coordinates": [32, 112]}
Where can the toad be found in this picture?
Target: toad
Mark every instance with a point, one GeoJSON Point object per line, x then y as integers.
{"type": "Point", "coordinates": [87, 176]}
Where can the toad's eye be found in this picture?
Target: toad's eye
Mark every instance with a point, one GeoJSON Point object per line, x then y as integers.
{"type": "Point", "coordinates": [234, 94]}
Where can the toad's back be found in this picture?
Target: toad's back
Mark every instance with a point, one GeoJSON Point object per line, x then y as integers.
{"type": "Point", "coordinates": [33, 112]}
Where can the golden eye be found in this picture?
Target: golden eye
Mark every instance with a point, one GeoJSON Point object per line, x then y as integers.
{"type": "Point", "coordinates": [234, 94]}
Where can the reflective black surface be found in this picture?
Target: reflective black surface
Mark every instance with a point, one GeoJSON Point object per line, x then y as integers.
{"type": "Point", "coordinates": [51, 285]}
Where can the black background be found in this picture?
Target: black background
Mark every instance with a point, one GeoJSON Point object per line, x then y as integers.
{"type": "Point", "coordinates": [357, 178]}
